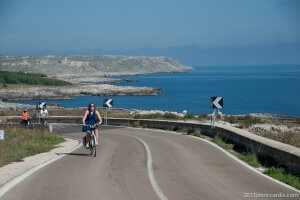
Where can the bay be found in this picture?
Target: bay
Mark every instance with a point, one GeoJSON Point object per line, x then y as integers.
{"type": "Point", "coordinates": [273, 89]}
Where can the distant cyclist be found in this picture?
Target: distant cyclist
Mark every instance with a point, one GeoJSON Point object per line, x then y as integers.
{"type": "Point", "coordinates": [25, 117]}
{"type": "Point", "coordinates": [44, 116]}
{"type": "Point", "coordinates": [90, 118]}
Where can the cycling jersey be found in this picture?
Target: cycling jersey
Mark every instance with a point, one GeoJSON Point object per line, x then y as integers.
{"type": "Point", "coordinates": [91, 118]}
{"type": "Point", "coordinates": [25, 116]}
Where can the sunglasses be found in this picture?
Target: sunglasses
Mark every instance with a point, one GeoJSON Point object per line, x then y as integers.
{"type": "Point", "coordinates": [92, 106]}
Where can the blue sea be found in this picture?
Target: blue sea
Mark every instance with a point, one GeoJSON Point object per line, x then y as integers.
{"type": "Point", "coordinates": [271, 89]}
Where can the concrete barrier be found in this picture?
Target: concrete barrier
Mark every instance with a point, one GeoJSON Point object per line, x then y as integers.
{"type": "Point", "coordinates": [282, 154]}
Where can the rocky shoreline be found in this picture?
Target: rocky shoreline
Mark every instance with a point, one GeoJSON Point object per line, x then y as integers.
{"type": "Point", "coordinates": [22, 92]}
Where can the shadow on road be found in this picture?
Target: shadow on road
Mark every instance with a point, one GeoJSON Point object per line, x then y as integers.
{"type": "Point", "coordinates": [76, 128]}
{"type": "Point", "coordinates": [74, 154]}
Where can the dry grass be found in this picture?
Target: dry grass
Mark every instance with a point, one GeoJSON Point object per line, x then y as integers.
{"type": "Point", "coordinates": [287, 138]}
{"type": "Point", "coordinates": [74, 112]}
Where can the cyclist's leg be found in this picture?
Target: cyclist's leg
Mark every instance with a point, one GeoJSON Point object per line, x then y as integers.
{"type": "Point", "coordinates": [88, 136]}
{"type": "Point", "coordinates": [97, 136]}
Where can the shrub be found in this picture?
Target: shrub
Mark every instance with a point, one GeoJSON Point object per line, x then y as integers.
{"type": "Point", "coordinates": [188, 116]}
{"type": "Point", "coordinates": [169, 115]}
{"type": "Point", "coordinates": [7, 77]}
{"type": "Point", "coordinates": [197, 132]}
{"type": "Point", "coordinates": [182, 130]}
{"type": "Point", "coordinates": [249, 120]}
{"type": "Point", "coordinates": [231, 119]}
{"type": "Point", "coordinates": [136, 124]}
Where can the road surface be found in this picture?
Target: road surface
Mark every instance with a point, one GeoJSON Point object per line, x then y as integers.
{"type": "Point", "coordinates": [183, 168]}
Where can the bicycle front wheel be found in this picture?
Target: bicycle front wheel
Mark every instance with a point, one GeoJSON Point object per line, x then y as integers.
{"type": "Point", "coordinates": [93, 147]}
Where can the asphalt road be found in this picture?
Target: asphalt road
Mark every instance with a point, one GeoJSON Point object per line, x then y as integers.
{"type": "Point", "coordinates": [183, 168]}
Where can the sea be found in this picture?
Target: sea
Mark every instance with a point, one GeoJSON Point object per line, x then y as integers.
{"type": "Point", "coordinates": [269, 89]}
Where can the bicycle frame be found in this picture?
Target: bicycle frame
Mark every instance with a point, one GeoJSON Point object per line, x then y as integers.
{"type": "Point", "coordinates": [92, 141]}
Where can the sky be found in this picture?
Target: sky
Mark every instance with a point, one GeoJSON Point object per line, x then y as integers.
{"type": "Point", "coordinates": [194, 32]}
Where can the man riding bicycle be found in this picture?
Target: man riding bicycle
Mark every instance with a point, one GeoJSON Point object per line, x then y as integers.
{"type": "Point", "coordinates": [89, 118]}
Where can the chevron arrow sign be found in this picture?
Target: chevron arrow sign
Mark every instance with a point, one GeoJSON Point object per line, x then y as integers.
{"type": "Point", "coordinates": [216, 102]}
{"type": "Point", "coordinates": [107, 103]}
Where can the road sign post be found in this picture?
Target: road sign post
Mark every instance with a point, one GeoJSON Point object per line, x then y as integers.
{"type": "Point", "coordinates": [216, 103]}
{"type": "Point", "coordinates": [107, 104]}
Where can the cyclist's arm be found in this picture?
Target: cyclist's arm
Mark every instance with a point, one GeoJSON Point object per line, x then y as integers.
{"type": "Point", "coordinates": [84, 117]}
{"type": "Point", "coordinates": [99, 117]}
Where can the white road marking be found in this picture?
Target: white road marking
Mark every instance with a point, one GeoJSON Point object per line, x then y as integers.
{"type": "Point", "coordinates": [151, 176]}
{"type": "Point", "coordinates": [228, 154]}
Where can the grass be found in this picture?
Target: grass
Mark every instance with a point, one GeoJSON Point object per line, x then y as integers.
{"type": "Point", "coordinates": [287, 138]}
{"type": "Point", "coordinates": [20, 143]}
{"type": "Point", "coordinates": [252, 159]}
{"type": "Point", "coordinates": [222, 144]}
{"type": "Point", "coordinates": [7, 77]}
{"type": "Point", "coordinates": [249, 158]}
{"type": "Point", "coordinates": [281, 175]}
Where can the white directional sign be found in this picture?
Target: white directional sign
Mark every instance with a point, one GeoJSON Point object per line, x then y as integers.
{"type": "Point", "coordinates": [108, 103]}
{"type": "Point", "coordinates": [216, 102]}
{"type": "Point", "coordinates": [1, 134]}
{"type": "Point", "coordinates": [41, 105]}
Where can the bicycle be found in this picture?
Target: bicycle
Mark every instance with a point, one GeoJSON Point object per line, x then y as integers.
{"type": "Point", "coordinates": [44, 123]}
{"type": "Point", "coordinates": [26, 124]}
{"type": "Point", "coordinates": [92, 142]}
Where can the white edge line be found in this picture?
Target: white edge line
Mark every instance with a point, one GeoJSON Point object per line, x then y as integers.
{"type": "Point", "coordinates": [151, 176]}
{"type": "Point", "coordinates": [248, 166]}
{"type": "Point", "coordinates": [228, 154]}
{"type": "Point", "coordinates": [12, 183]}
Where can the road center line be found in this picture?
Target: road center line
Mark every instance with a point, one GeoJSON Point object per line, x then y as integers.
{"type": "Point", "coordinates": [151, 176]}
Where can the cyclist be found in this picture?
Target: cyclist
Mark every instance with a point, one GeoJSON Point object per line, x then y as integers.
{"type": "Point", "coordinates": [25, 117]}
{"type": "Point", "coordinates": [44, 116]}
{"type": "Point", "coordinates": [89, 118]}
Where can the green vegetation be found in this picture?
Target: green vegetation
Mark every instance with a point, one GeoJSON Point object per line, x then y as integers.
{"type": "Point", "coordinates": [246, 120]}
{"type": "Point", "coordinates": [28, 78]}
{"type": "Point", "coordinates": [136, 124]}
{"type": "Point", "coordinates": [196, 133]}
{"type": "Point", "coordinates": [252, 159]}
{"type": "Point", "coordinates": [284, 177]}
{"type": "Point", "coordinates": [222, 144]}
{"type": "Point", "coordinates": [249, 158]}
{"type": "Point", "coordinates": [20, 143]}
